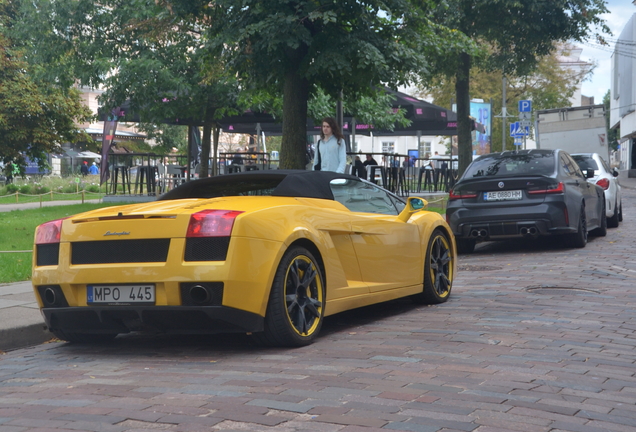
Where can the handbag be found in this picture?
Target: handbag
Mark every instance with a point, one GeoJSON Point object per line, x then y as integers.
{"type": "Point", "coordinates": [317, 167]}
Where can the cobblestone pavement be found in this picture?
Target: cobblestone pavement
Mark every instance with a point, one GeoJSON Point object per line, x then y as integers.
{"type": "Point", "coordinates": [534, 338]}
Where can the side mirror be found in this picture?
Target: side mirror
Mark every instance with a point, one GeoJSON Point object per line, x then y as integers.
{"type": "Point", "coordinates": [413, 205]}
{"type": "Point", "coordinates": [589, 173]}
{"type": "Point", "coordinates": [615, 172]}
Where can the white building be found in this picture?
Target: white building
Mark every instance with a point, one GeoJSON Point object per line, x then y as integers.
{"type": "Point", "coordinates": [623, 95]}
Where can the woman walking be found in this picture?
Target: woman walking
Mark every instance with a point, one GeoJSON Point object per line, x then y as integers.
{"type": "Point", "coordinates": [331, 150]}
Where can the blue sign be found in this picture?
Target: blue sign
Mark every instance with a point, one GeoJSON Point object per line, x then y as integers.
{"type": "Point", "coordinates": [525, 106]}
{"type": "Point", "coordinates": [517, 131]}
{"type": "Point", "coordinates": [513, 128]}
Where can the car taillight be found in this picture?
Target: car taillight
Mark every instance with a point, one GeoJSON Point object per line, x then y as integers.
{"type": "Point", "coordinates": [454, 195]}
{"type": "Point", "coordinates": [49, 232]}
{"type": "Point", "coordinates": [604, 183]}
{"type": "Point", "coordinates": [212, 223]}
{"type": "Point", "coordinates": [552, 189]}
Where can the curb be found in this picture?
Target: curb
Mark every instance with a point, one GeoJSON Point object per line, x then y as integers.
{"type": "Point", "coordinates": [24, 336]}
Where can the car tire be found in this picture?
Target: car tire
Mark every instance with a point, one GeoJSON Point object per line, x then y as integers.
{"type": "Point", "coordinates": [295, 310]}
{"type": "Point", "coordinates": [465, 246]}
{"type": "Point", "coordinates": [84, 338]}
{"type": "Point", "coordinates": [612, 222]}
{"type": "Point", "coordinates": [438, 270]}
{"type": "Point", "coordinates": [620, 211]}
{"type": "Point", "coordinates": [579, 238]}
{"type": "Point", "coordinates": [602, 230]}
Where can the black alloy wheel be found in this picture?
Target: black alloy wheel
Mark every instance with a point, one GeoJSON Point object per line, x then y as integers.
{"type": "Point", "coordinates": [438, 270]}
{"type": "Point", "coordinates": [296, 305]}
{"type": "Point", "coordinates": [579, 238]}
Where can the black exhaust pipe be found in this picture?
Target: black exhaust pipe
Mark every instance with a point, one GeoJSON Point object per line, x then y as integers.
{"type": "Point", "coordinates": [200, 294]}
{"type": "Point", "coordinates": [50, 296]}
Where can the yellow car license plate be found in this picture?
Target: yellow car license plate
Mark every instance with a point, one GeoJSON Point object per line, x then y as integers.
{"type": "Point", "coordinates": [96, 294]}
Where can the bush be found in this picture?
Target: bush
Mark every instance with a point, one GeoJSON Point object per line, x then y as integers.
{"type": "Point", "coordinates": [11, 188]}
{"type": "Point", "coordinates": [39, 189]}
{"type": "Point", "coordinates": [70, 188]}
{"type": "Point", "coordinates": [92, 188]}
{"type": "Point", "coordinates": [25, 189]}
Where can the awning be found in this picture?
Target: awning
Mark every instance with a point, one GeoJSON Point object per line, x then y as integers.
{"type": "Point", "coordinates": [97, 135]}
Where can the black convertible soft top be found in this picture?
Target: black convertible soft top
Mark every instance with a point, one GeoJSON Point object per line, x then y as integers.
{"type": "Point", "coordinates": [287, 183]}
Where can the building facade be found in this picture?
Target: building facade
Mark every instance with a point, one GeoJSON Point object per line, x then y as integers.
{"type": "Point", "coordinates": [623, 95]}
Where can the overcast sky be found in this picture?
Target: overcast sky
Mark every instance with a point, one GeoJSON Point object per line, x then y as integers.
{"type": "Point", "coordinates": [600, 83]}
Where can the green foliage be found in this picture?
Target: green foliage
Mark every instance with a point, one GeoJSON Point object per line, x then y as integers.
{"type": "Point", "coordinates": [12, 188]}
{"type": "Point", "coordinates": [296, 47]}
{"type": "Point", "coordinates": [512, 36]}
{"type": "Point", "coordinates": [550, 86]}
{"type": "Point", "coordinates": [25, 189]}
{"type": "Point", "coordinates": [36, 117]}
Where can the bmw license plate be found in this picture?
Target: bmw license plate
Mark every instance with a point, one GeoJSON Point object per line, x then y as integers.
{"type": "Point", "coordinates": [120, 294]}
{"type": "Point", "coordinates": [509, 195]}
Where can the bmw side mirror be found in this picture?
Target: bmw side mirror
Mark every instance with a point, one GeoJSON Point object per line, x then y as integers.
{"type": "Point", "coordinates": [615, 172]}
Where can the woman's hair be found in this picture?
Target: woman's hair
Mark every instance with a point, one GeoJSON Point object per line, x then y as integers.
{"type": "Point", "coordinates": [335, 129]}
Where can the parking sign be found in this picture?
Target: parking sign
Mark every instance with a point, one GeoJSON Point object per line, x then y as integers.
{"type": "Point", "coordinates": [525, 106]}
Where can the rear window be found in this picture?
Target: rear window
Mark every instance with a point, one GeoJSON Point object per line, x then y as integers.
{"type": "Point", "coordinates": [585, 162]}
{"type": "Point", "coordinates": [258, 187]}
{"type": "Point", "coordinates": [512, 164]}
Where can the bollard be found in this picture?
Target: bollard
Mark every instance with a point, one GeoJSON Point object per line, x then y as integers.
{"type": "Point", "coordinates": [40, 201]}
{"type": "Point", "coordinates": [16, 197]}
{"type": "Point", "coordinates": [82, 196]}
{"type": "Point", "coordinates": [51, 194]}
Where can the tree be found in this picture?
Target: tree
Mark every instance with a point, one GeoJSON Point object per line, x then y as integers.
{"type": "Point", "coordinates": [35, 117]}
{"type": "Point", "coordinates": [549, 86]}
{"type": "Point", "coordinates": [513, 35]}
{"type": "Point", "coordinates": [297, 46]}
{"type": "Point", "coordinates": [139, 52]}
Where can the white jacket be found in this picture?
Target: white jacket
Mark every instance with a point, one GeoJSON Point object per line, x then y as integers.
{"type": "Point", "coordinates": [333, 156]}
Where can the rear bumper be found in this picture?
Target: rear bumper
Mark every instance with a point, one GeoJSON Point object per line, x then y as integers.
{"type": "Point", "coordinates": [164, 319]}
{"type": "Point", "coordinates": [501, 223]}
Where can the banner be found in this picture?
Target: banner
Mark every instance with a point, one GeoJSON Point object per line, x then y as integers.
{"type": "Point", "coordinates": [481, 111]}
{"type": "Point", "coordinates": [108, 136]}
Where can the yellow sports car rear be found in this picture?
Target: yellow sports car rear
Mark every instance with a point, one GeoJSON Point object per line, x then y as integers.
{"type": "Point", "coordinates": [267, 253]}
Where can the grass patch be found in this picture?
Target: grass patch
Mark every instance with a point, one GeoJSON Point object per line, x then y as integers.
{"type": "Point", "coordinates": [18, 229]}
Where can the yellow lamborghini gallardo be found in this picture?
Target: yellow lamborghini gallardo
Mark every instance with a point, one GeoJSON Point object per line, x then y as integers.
{"type": "Point", "coordinates": [269, 253]}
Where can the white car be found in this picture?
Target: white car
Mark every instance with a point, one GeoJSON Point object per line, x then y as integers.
{"type": "Point", "coordinates": [606, 178]}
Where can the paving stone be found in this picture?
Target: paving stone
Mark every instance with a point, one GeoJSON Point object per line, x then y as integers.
{"type": "Point", "coordinates": [345, 419]}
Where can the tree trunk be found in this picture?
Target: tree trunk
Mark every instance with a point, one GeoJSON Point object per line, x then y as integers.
{"type": "Point", "coordinates": [464, 136]}
{"type": "Point", "coordinates": [294, 143]}
{"type": "Point", "coordinates": [205, 149]}
{"type": "Point", "coordinates": [215, 164]}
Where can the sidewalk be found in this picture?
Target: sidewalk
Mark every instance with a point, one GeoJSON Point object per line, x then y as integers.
{"type": "Point", "coordinates": [21, 323]}
{"type": "Point", "coordinates": [32, 205]}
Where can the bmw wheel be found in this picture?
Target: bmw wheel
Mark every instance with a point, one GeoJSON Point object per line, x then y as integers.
{"type": "Point", "coordinates": [438, 270]}
{"type": "Point", "coordinates": [602, 230]}
{"type": "Point", "coordinates": [296, 305]}
{"type": "Point", "coordinates": [612, 222]}
{"type": "Point", "coordinates": [620, 211]}
{"type": "Point", "coordinates": [579, 238]}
